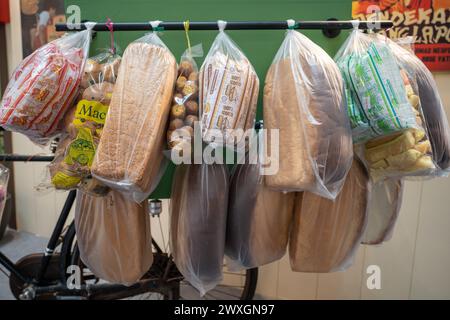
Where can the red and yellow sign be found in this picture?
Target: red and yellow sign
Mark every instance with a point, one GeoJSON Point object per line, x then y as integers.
{"type": "Point", "coordinates": [428, 21]}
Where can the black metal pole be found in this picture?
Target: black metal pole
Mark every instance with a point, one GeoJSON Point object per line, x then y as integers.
{"type": "Point", "coordinates": [11, 267]}
{"type": "Point", "coordinates": [231, 25]}
{"type": "Point", "coordinates": [25, 158]}
{"type": "Point", "coordinates": [56, 234]}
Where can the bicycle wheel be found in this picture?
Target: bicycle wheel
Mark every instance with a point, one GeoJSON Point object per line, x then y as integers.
{"type": "Point", "coordinates": [171, 286]}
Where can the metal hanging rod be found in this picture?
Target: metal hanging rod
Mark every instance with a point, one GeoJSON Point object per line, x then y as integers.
{"type": "Point", "coordinates": [231, 25]}
{"type": "Point", "coordinates": [25, 158]}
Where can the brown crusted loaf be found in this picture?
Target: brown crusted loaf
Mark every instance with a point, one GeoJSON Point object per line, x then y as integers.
{"type": "Point", "coordinates": [198, 216]}
{"type": "Point", "coordinates": [258, 220]}
{"type": "Point", "coordinates": [114, 237]}
{"type": "Point", "coordinates": [325, 234]}
{"type": "Point", "coordinates": [384, 207]}
{"type": "Point", "coordinates": [316, 156]}
{"type": "Point", "coordinates": [130, 150]}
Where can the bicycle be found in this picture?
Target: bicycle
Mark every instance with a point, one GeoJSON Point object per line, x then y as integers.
{"type": "Point", "coordinates": [44, 276]}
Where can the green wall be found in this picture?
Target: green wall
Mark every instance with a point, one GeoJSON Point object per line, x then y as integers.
{"type": "Point", "coordinates": [259, 46]}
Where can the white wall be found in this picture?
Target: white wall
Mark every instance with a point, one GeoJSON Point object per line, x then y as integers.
{"type": "Point", "coordinates": [414, 264]}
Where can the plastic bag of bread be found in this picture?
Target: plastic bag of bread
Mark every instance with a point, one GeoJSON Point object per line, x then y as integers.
{"type": "Point", "coordinates": [259, 219]}
{"type": "Point", "coordinates": [408, 153]}
{"type": "Point", "coordinates": [44, 86]}
{"type": "Point", "coordinates": [377, 99]}
{"type": "Point", "coordinates": [198, 216]}
{"type": "Point", "coordinates": [229, 89]}
{"type": "Point", "coordinates": [4, 178]}
{"type": "Point", "coordinates": [130, 153]}
{"type": "Point", "coordinates": [184, 112]}
{"type": "Point", "coordinates": [326, 234]}
{"type": "Point", "coordinates": [114, 237]}
{"type": "Point", "coordinates": [304, 100]}
{"type": "Point", "coordinates": [386, 118]}
{"type": "Point", "coordinates": [384, 207]}
{"type": "Point", "coordinates": [83, 128]}
{"type": "Point", "coordinates": [103, 67]}
{"type": "Point", "coordinates": [425, 94]}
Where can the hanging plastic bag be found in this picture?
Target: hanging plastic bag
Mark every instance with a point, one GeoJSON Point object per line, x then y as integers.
{"type": "Point", "coordinates": [114, 237]}
{"type": "Point", "coordinates": [229, 89]}
{"type": "Point", "coordinates": [384, 207]}
{"type": "Point", "coordinates": [377, 99]}
{"type": "Point", "coordinates": [185, 110]}
{"type": "Point", "coordinates": [83, 128]}
{"type": "Point", "coordinates": [103, 67]}
{"type": "Point", "coordinates": [326, 234]}
{"type": "Point", "coordinates": [198, 215]}
{"type": "Point", "coordinates": [44, 85]}
{"type": "Point", "coordinates": [129, 157]}
{"type": "Point", "coordinates": [259, 219]}
{"type": "Point", "coordinates": [4, 178]}
{"type": "Point", "coordinates": [304, 100]}
{"type": "Point", "coordinates": [387, 121]}
{"type": "Point", "coordinates": [427, 96]}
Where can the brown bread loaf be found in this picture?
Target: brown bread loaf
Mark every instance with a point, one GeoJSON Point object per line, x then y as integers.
{"type": "Point", "coordinates": [325, 234]}
{"type": "Point", "coordinates": [130, 151]}
{"type": "Point", "coordinates": [384, 207]}
{"type": "Point", "coordinates": [198, 215]}
{"type": "Point", "coordinates": [258, 220]}
{"type": "Point", "coordinates": [304, 100]}
{"type": "Point", "coordinates": [114, 237]}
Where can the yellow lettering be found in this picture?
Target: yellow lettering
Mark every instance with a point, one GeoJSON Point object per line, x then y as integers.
{"type": "Point", "coordinates": [439, 16]}
{"type": "Point", "coordinates": [440, 33]}
{"type": "Point", "coordinates": [410, 18]}
{"type": "Point", "coordinates": [427, 33]}
{"type": "Point", "coordinates": [397, 18]}
{"type": "Point", "coordinates": [424, 16]}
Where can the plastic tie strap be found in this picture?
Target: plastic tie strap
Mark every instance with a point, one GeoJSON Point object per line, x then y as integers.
{"type": "Point", "coordinates": [291, 24]}
{"type": "Point", "coordinates": [186, 30]}
{"type": "Point", "coordinates": [110, 26]}
{"type": "Point", "coordinates": [155, 25]}
{"type": "Point", "coordinates": [222, 25]}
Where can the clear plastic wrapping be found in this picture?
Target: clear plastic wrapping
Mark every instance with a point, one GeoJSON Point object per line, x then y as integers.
{"type": "Point", "coordinates": [259, 220]}
{"type": "Point", "coordinates": [198, 216]}
{"type": "Point", "coordinates": [377, 100]}
{"type": "Point", "coordinates": [229, 89]}
{"type": "Point", "coordinates": [426, 91]}
{"type": "Point", "coordinates": [83, 127]}
{"type": "Point", "coordinates": [386, 118]}
{"type": "Point", "coordinates": [326, 234]}
{"type": "Point", "coordinates": [384, 207]}
{"type": "Point", "coordinates": [130, 157]}
{"type": "Point", "coordinates": [114, 237]}
{"type": "Point", "coordinates": [184, 112]}
{"type": "Point", "coordinates": [304, 99]}
{"type": "Point", "coordinates": [4, 178]}
{"type": "Point", "coordinates": [44, 86]}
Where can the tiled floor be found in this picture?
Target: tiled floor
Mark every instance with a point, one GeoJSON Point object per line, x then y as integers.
{"type": "Point", "coordinates": [15, 245]}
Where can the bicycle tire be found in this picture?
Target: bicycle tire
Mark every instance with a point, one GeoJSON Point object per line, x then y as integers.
{"type": "Point", "coordinates": [67, 259]}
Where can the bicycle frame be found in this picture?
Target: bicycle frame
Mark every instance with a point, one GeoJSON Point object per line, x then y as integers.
{"type": "Point", "coordinates": [50, 249]}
